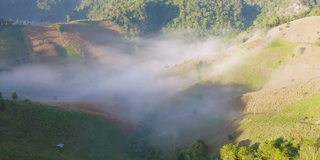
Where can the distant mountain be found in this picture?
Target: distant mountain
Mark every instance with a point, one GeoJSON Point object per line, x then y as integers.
{"type": "Point", "coordinates": [149, 16]}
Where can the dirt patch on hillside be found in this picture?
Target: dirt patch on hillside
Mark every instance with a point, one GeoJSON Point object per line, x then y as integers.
{"type": "Point", "coordinates": [48, 43]}
{"type": "Point", "coordinates": [302, 30]}
{"type": "Point", "coordinates": [45, 42]}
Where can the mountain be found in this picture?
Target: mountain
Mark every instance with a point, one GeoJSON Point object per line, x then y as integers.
{"type": "Point", "coordinates": [149, 16]}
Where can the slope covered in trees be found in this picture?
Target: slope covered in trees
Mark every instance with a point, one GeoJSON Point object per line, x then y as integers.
{"type": "Point", "coordinates": [145, 16]}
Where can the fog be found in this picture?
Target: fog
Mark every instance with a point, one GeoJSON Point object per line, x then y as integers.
{"type": "Point", "coordinates": [136, 88]}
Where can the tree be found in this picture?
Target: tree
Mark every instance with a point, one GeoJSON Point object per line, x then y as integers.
{"type": "Point", "coordinates": [198, 150]}
{"type": "Point", "coordinates": [68, 18]}
{"type": "Point", "coordinates": [229, 152]}
{"type": "Point", "coordinates": [245, 153]}
{"type": "Point", "coordinates": [2, 103]}
{"type": "Point", "coordinates": [280, 148]}
{"type": "Point", "coordinates": [179, 154]}
{"type": "Point", "coordinates": [14, 95]}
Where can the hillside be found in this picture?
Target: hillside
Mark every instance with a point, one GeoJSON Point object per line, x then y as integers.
{"type": "Point", "coordinates": [54, 42]}
{"type": "Point", "coordinates": [32, 131]}
{"type": "Point", "coordinates": [282, 78]}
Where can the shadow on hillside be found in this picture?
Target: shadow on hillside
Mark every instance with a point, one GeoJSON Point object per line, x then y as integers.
{"type": "Point", "coordinates": [206, 111]}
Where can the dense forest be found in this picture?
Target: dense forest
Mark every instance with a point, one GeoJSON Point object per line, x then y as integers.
{"type": "Point", "coordinates": [214, 16]}
{"type": "Point", "coordinates": [149, 16]}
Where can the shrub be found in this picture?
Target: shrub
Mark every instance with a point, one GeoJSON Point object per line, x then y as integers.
{"type": "Point", "coordinates": [198, 150]}
{"type": "Point", "coordinates": [2, 103]}
{"type": "Point", "coordinates": [315, 12]}
{"type": "Point", "coordinates": [279, 149]}
{"type": "Point", "coordinates": [14, 95]}
{"type": "Point", "coordinates": [229, 152]}
{"type": "Point", "coordinates": [59, 27]}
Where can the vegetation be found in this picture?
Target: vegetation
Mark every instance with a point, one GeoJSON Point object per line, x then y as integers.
{"type": "Point", "coordinates": [59, 27]}
{"type": "Point", "coordinates": [14, 95]}
{"type": "Point", "coordinates": [2, 103]}
{"type": "Point", "coordinates": [12, 47]}
{"type": "Point", "coordinates": [140, 146]}
{"type": "Point", "coordinates": [198, 150]}
{"type": "Point", "coordinates": [280, 149]}
{"type": "Point", "coordinates": [276, 149]}
{"type": "Point", "coordinates": [69, 52]}
{"type": "Point", "coordinates": [138, 16]}
{"type": "Point", "coordinates": [315, 12]}
{"type": "Point", "coordinates": [31, 131]}
{"type": "Point", "coordinates": [145, 16]}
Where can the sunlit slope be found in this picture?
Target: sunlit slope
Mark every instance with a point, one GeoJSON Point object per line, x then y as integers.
{"type": "Point", "coordinates": [284, 73]}
{"type": "Point", "coordinates": [32, 131]}
{"type": "Point", "coordinates": [257, 61]}
{"type": "Point", "coordinates": [304, 30]}
{"type": "Point", "coordinates": [300, 120]}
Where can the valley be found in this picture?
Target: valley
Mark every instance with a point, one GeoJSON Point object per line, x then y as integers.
{"type": "Point", "coordinates": [109, 94]}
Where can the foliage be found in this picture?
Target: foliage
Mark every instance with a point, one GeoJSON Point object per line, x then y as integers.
{"type": "Point", "coordinates": [46, 4]}
{"type": "Point", "coordinates": [142, 15]}
{"type": "Point", "coordinates": [58, 27]}
{"type": "Point", "coordinates": [2, 103]}
{"type": "Point", "coordinates": [229, 152]}
{"type": "Point", "coordinates": [278, 149]}
{"type": "Point", "coordinates": [14, 95]}
{"type": "Point", "coordinates": [315, 12]}
{"type": "Point", "coordinates": [202, 16]}
{"type": "Point", "coordinates": [198, 150]}
{"type": "Point", "coordinates": [140, 146]}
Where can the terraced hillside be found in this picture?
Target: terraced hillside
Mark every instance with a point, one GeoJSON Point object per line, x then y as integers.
{"type": "Point", "coordinates": [49, 43]}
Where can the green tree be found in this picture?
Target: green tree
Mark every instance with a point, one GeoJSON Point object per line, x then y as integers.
{"type": "Point", "coordinates": [68, 18]}
{"type": "Point", "coordinates": [245, 153]}
{"type": "Point", "coordinates": [179, 154]}
{"type": "Point", "coordinates": [198, 150]}
{"type": "Point", "coordinates": [14, 95]}
{"type": "Point", "coordinates": [310, 149]}
{"type": "Point", "coordinates": [279, 149]}
{"type": "Point", "coordinates": [229, 152]}
{"type": "Point", "coordinates": [2, 103]}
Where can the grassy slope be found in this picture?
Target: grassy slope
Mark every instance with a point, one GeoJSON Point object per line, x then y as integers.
{"type": "Point", "coordinates": [287, 123]}
{"type": "Point", "coordinates": [30, 131]}
{"type": "Point", "coordinates": [256, 70]}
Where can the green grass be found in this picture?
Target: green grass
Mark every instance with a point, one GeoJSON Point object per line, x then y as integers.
{"type": "Point", "coordinates": [69, 52]}
{"type": "Point", "coordinates": [13, 50]}
{"type": "Point", "coordinates": [258, 69]}
{"type": "Point", "coordinates": [30, 131]}
{"type": "Point", "coordinates": [286, 123]}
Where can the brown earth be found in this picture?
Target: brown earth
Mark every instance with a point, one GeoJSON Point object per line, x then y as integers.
{"type": "Point", "coordinates": [305, 30]}
{"type": "Point", "coordinates": [86, 39]}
